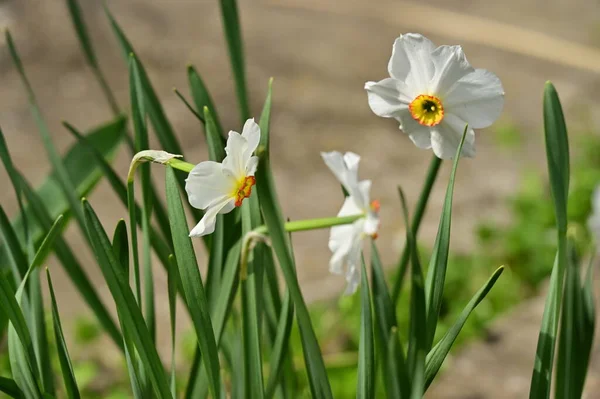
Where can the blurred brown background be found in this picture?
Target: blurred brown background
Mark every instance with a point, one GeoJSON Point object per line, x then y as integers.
{"type": "Point", "coordinates": [320, 53]}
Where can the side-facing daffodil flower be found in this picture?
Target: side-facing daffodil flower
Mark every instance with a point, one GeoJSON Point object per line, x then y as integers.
{"type": "Point", "coordinates": [345, 241]}
{"type": "Point", "coordinates": [594, 220]}
{"type": "Point", "coordinates": [434, 93]}
{"type": "Point", "coordinates": [220, 187]}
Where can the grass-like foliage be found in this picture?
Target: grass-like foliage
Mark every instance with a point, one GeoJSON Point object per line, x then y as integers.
{"type": "Point", "coordinates": [244, 315]}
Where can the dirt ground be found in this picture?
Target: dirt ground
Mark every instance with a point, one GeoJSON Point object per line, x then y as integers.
{"type": "Point", "coordinates": [320, 53]}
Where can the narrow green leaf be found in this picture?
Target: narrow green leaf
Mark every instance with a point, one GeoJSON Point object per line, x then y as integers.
{"type": "Point", "coordinates": [214, 139]}
{"type": "Point", "coordinates": [232, 28]}
{"type": "Point", "coordinates": [19, 266]}
{"type": "Point", "coordinates": [138, 112]}
{"type": "Point", "coordinates": [89, 53]}
{"type": "Point", "coordinates": [140, 384]}
{"type": "Point", "coordinates": [202, 98]}
{"type": "Point", "coordinates": [265, 120]}
{"type": "Point", "coordinates": [82, 32]}
{"type": "Point", "coordinates": [162, 127]}
{"type": "Point", "coordinates": [14, 252]}
{"type": "Point", "coordinates": [10, 388]}
{"type": "Point", "coordinates": [366, 347]}
{"type": "Point", "coordinates": [436, 273]}
{"type": "Point", "coordinates": [280, 345]}
{"type": "Point", "coordinates": [576, 332]}
{"type": "Point", "coordinates": [172, 278]}
{"type": "Point", "coordinates": [155, 110]}
{"type": "Point", "coordinates": [118, 186]}
{"type": "Point", "coordinates": [393, 363]}
{"type": "Point", "coordinates": [129, 312]}
{"type": "Point", "coordinates": [59, 168]}
{"type": "Point", "coordinates": [436, 356]}
{"type": "Point", "coordinates": [250, 315]}
{"type": "Point", "coordinates": [193, 289]}
{"type": "Point", "coordinates": [82, 171]}
{"type": "Point", "coordinates": [66, 367]}
{"type": "Point", "coordinates": [420, 208]}
{"type": "Point", "coordinates": [417, 340]}
{"type": "Point", "coordinates": [37, 324]}
{"type": "Point", "coordinates": [20, 347]}
{"type": "Point", "coordinates": [271, 212]}
{"type": "Point", "coordinates": [22, 352]}
{"type": "Point", "coordinates": [72, 266]}
{"type": "Point", "coordinates": [557, 152]}
{"type": "Point", "coordinates": [188, 105]}
{"type": "Point", "coordinates": [317, 374]}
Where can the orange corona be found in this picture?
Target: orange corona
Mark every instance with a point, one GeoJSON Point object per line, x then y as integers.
{"type": "Point", "coordinates": [244, 189]}
{"type": "Point", "coordinates": [427, 110]}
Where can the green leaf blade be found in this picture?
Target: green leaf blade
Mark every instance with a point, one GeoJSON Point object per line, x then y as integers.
{"type": "Point", "coordinates": [366, 346]}
{"type": "Point", "coordinates": [66, 366]}
{"type": "Point", "coordinates": [193, 288]}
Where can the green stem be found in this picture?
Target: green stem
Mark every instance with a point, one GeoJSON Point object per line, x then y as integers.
{"type": "Point", "coordinates": [432, 172]}
{"type": "Point", "coordinates": [312, 224]}
{"type": "Point", "coordinates": [259, 233]}
{"type": "Point", "coordinates": [180, 165]}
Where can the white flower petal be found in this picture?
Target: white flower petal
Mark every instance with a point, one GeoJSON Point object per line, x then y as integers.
{"type": "Point", "coordinates": [206, 184]}
{"type": "Point", "coordinates": [450, 65]}
{"type": "Point", "coordinates": [208, 221]}
{"type": "Point", "coordinates": [387, 97]}
{"type": "Point", "coordinates": [341, 240]}
{"type": "Point", "coordinates": [353, 269]}
{"type": "Point", "coordinates": [421, 137]}
{"type": "Point", "coordinates": [419, 134]}
{"type": "Point", "coordinates": [411, 61]}
{"type": "Point", "coordinates": [350, 208]}
{"type": "Point", "coordinates": [446, 137]}
{"type": "Point", "coordinates": [363, 196]}
{"type": "Point", "coordinates": [251, 132]}
{"type": "Point", "coordinates": [251, 166]}
{"type": "Point", "coordinates": [477, 98]}
{"type": "Point", "coordinates": [234, 161]}
{"type": "Point", "coordinates": [338, 166]}
{"type": "Point", "coordinates": [371, 225]}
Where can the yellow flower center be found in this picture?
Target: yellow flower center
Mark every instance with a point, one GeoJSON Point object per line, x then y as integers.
{"type": "Point", "coordinates": [243, 189]}
{"type": "Point", "coordinates": [427, 110]}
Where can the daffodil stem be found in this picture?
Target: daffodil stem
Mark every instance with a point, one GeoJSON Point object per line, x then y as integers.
{"type": "Point", "coordinates": [261, 233]}
{"type": "Point", "coordinates": [180, 165]}
{"type": "Point", "coordinates": [432, 173]}
{"type": "Point", "coordinates": [312, 224]}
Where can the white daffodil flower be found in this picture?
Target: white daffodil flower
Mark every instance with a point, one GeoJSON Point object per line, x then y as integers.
{"type": "Point", "coordinates": [434, 93]}
{"type": "Point", "coordinates": [220, 187]}
{"type": "Point", "coordinates": [594, 220]}
{"type": "Point", "coordinates": [345, 241]}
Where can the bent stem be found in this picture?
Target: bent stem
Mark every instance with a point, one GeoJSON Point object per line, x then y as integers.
{"type": "Point", "coordinates": [261, 233]}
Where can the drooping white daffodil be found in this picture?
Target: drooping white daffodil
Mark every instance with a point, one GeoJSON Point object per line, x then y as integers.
{"type": "Point", "coordinates": [345, 241]}
{"type": "Point", "coordinates": [220, 187]}
{"type": "Point", "coordinates": [434, 93]}
{"type": "Point", "coordinates": [594, 220]}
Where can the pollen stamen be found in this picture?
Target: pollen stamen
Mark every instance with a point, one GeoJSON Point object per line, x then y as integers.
{"type": "Point", "coordinates": [427, 110]}
{"type": "Point", "coordinates": [244, 189]}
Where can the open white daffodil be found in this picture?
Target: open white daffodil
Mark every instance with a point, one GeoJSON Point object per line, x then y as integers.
{"type": "Point", "coordinates": [434, 93]}
{"type": "Point", "coordinates": [345, 241]}
{"type": "Point", "coordinates": [594, 220]}
{"type": "Point", "coordinates": [220, 187]}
